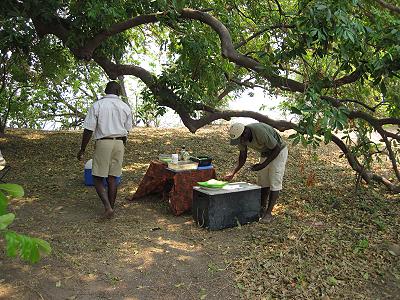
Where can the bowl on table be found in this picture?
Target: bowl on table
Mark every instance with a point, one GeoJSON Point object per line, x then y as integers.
{"type": "Point", "coordinates": [167, 158]}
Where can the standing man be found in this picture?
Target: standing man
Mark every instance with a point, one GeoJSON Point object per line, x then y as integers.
{"type": "Point", "coordinates": [110, 119]}
{"type": "Point", "coordinates": [271, 168]}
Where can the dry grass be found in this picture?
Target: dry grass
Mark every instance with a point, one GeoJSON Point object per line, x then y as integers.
{"type": "Point", "coordinates": [327, 241]}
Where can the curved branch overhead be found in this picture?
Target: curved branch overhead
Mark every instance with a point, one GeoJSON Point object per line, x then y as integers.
{"type": "Point", "coordinates": [228, 49]}
{"type": "Point", "coordinates": [90, 46]}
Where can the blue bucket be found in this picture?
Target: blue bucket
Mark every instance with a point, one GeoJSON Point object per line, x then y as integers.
{"type": "Point", "coordinates": [89, 178]}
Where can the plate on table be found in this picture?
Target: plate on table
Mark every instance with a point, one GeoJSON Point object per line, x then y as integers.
{"type": "Point", "coordinates": [166, 160]}
{"type": "Point", "coordinates": [212, 184]}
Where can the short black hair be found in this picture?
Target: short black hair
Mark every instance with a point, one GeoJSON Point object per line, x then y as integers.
{"type": "Point", "coordinates": [113, 87]}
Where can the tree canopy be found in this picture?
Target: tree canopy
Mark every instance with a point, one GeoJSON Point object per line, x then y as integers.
{"type": "Point", "coordinates": [336, 61]}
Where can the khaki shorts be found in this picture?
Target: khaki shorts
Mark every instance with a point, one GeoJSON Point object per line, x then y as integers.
{"type": "Point", "coordinates": [272, 175]}
{"type": "Point", "coordinates": [108, 157]}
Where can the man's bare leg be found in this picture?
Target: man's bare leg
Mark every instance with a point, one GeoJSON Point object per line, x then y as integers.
{"type": "Point", "coordinates": [264, 200]}
{"type": "Point", "coordinates": [273, 197]}
{"type": "Point", "coordinates": [112, 190]}
{"type": "Point", "coordinates": [102, 193]}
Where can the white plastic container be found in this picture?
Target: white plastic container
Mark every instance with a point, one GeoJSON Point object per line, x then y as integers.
{"type": "Point", "coordinates": [175, 158]}
{"type": "Point", "coordinates": [89, 164]}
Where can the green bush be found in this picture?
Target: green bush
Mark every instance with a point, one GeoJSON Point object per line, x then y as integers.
{"type": "Point", "coordinates": [28, 248]}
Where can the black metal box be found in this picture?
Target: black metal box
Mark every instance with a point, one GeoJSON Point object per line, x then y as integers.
{"type": "Point", "coordinates": [236, 203]}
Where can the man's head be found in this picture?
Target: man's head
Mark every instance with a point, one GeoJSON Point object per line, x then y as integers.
{"type": "Point", "coordinates": [235, 132]}
{"type": "Point", "coordinates": [113, 87]}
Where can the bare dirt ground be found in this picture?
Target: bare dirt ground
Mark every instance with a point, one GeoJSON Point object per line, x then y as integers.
{"type": "Point", "coordinates": [327, 240]}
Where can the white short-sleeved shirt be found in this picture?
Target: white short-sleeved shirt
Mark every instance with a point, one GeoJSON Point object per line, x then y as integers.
{"type": "Point", "coordinates": [109, 117]}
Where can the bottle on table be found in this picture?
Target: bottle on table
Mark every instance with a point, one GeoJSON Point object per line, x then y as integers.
{"type": "Point", "coordinates": [183, 154]}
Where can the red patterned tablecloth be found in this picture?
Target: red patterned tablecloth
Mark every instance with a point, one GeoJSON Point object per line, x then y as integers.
{"type": "Point", "coordinates": [176, 186]}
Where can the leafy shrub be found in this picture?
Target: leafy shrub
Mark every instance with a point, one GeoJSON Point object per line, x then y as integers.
{"type": "Point", "coordinates": [28, 248]}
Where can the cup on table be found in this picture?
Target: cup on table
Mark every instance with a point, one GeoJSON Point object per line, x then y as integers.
{"type": "Point", "coordinates": [174, 158]}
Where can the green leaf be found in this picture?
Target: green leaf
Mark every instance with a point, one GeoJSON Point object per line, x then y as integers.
{"type": "Point", "coordinates": [43, 246]}
{"type": "Point", "coordinates": [178, 4]}
{"type": "Point", "coordinates": [303, 141]}
{"type": "Point", "coordinates": [12, 243]}
{"type": "Point", "coordinates": [14, 190]}
{"type": "Point", "coordinates": [3, 203]}
{"type": "Point", "coordinates": [6, 220]}
{"type": "Point", "coordinates": [29, 249]}
{"type": "Point", "coordinates": [296, 140]}
{"type": "Point", "coordinates": [339, 125]}
{"type": "Point", "coordinates": [295, 110]}
{"type": "Point", "coordinates": [327, 137]}
{"type": "Point", "coordinates": [351, 37]}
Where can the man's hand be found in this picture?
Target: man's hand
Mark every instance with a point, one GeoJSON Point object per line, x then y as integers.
{"type": "Point", "coordinates": [79, 156]}
{"type": "Point", "coordinates": [228, 177]}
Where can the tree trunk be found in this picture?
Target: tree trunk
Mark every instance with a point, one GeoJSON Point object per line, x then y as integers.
{"type": "Point", "coordinates": [2, 130]}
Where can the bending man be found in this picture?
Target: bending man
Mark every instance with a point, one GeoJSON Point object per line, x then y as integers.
{"type": "Point", "coordinates": [271, 168]}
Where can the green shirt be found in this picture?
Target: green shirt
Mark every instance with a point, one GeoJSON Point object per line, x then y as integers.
{"type": "Point", "coordinates": [264, 139]}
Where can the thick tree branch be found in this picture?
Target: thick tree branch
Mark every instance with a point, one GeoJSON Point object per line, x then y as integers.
{"type": "Point", "coordinates": [229, 52]}
{"type": "Point", "coordinates": [391, 154]}
{"type": "Point", "coordinates": [388, 6]}
{"type": "Point", "coordinates": [365, 174]}
{"type": "Point", "coordinates": [55, 26]}
{"type": "Point", "coordinates": [246, 83]}
{"type": "Point", "coordinates": [194, 124]}
{"type": "Point", "coordinates": [87, 50]}
{"type": "Point", "coordinates": [373, 109]}
{"type": "Point", "coordinates": [377, 124]}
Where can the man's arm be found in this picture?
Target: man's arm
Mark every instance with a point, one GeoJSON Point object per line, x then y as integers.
{"type": "Point", "coordinates": [240, 164]}
{"type": "Point", "coordinates": [87, 134]}
{"type": "Point", "coordinates": [275, 152]}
